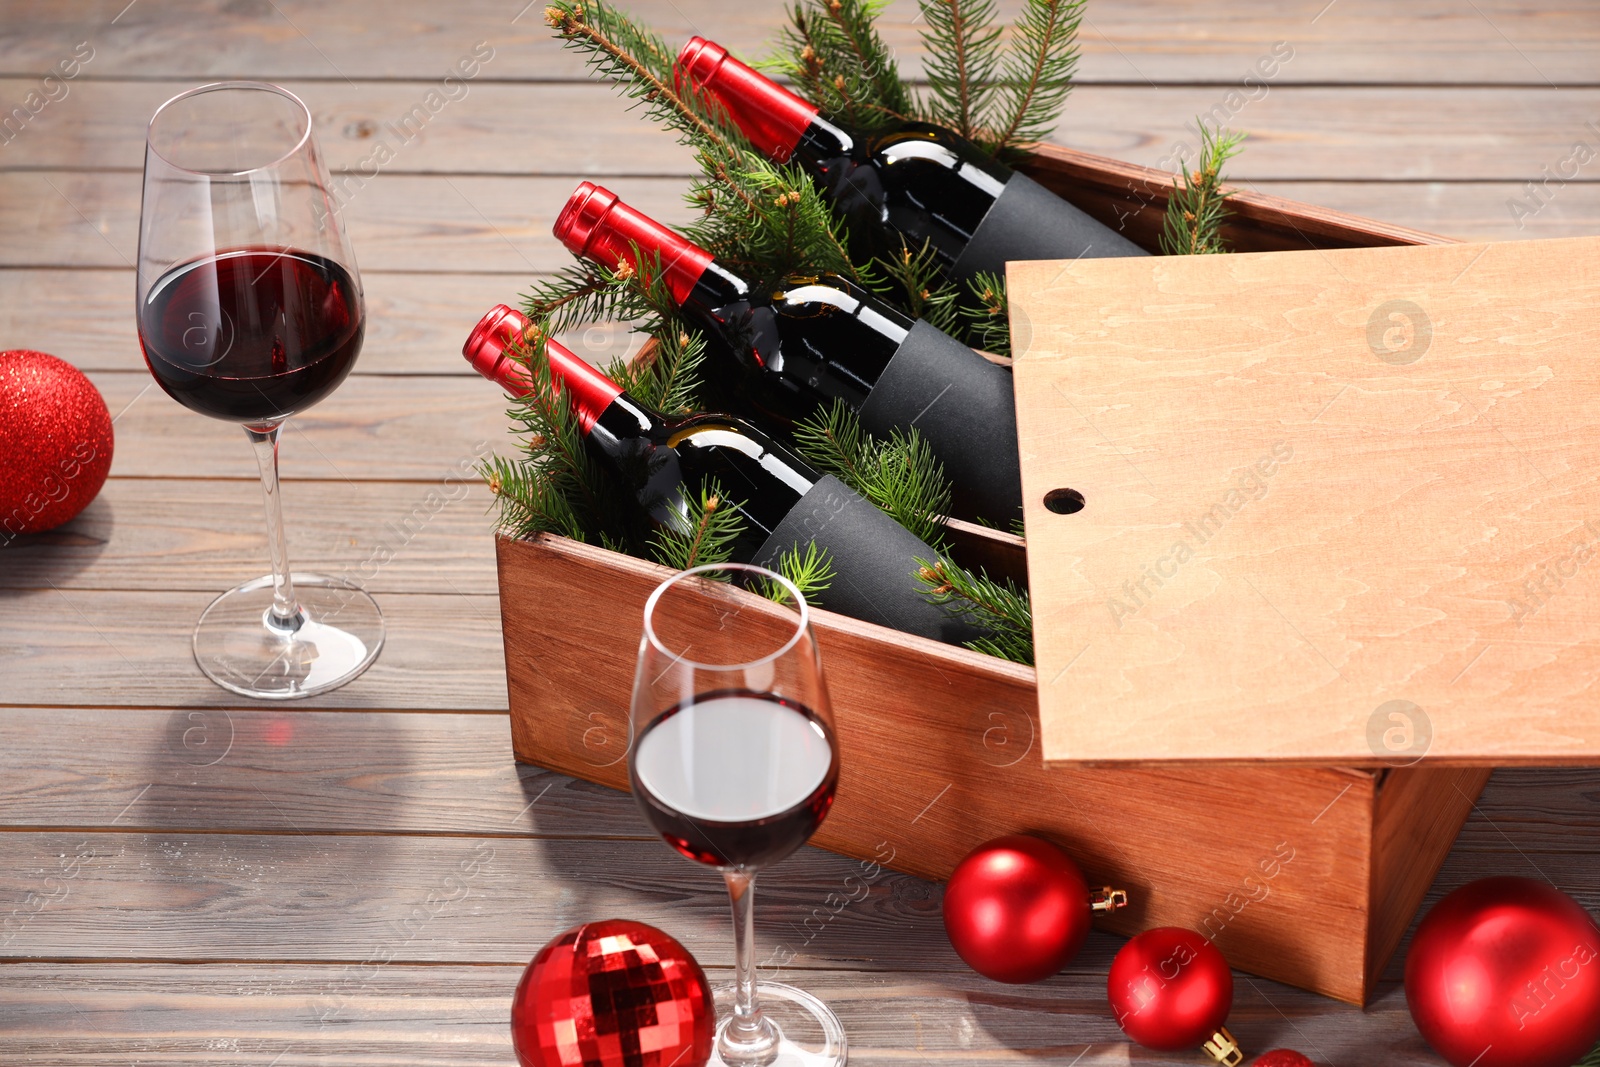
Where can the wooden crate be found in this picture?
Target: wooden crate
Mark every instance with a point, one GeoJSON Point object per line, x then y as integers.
{"type": "Point", "coordinates": [1305, 875]}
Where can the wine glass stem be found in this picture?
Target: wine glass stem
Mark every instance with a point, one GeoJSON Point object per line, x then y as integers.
{"type": "Point", "coordinates": [749, 1038]}
{"type": "Point", "coordinates": [285, 613]}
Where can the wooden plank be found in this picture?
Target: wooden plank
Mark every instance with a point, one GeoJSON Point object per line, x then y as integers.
{"type": "Point", "coordinates": [1491, 41]}
{"type": "Point", "coordinates": [1306, 600]}
{"type": "Point", "coordinates": [416, 323]}
{"type": "Point", "coordinates": [295, 1015]}
{"type": "Point", "coordinates": [84, 648]}
{"type": "Point", "coordinates": [372, 427]}
{"type": "Point", "coordinates": [289, 770]}
{"type": "Point", "coordinates": [292, 896]}
{"type": "Point", "coordinates": [396, 222]}
{"type": "Point", "coordinates": [200, 535]}
{"type": "Point", "coordinates": [1296, 132]}
{"type": "Point", "coordinates": [438, 224]}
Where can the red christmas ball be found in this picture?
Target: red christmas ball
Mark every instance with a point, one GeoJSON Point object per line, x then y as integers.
{"type": "Point", "coordinates": [1170, 989]}
{"type": "Point", "coordinates": [613, 994]}
{"type": "Point", "coordinates": [1281, 1057]}
{"type": "Point", "coordinates": [1505, 972]}
{"type": "Point", "coordinates": [55, 442]}
{"type": "Point", "coordinates": [1016, 909]}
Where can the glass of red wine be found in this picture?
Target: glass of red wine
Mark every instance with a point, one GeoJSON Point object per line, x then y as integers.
{"type": "Point", "coordinates": [734, 761]}
{"type": "Point", "coordinates": [250, 309]}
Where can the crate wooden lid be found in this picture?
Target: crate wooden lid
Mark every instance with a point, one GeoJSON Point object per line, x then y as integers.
{"type": "Point", "coordinates": [1338, 507]}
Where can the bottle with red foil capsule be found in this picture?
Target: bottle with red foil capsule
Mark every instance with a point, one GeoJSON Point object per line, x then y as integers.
{"type": "Point", "coordinates": [664, 461]}
{"type": "Point", "coordinates": [781, 357]}
{"type": "Point", "coordinates": [918, 181]}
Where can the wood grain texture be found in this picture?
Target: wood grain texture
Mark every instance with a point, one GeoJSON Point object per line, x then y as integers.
{"type": "Point", "coordinates": [1134, 41]}
{"type": "Point", "coordinates": [434, 256]}
{"type": "Point", "coordinates": [447, 1015]}
{"type": "Point", "coordinates": [373, 427]}
{"type": "Point", "coordinates": [88, 648]}
{"type": "Point", "coordinates": [501, 225]}
{"type": "Point", "coordinates": [405, 222]}
{"type": "Point", "coordinates": [1389, 133]}
{"type": "Point", "coordinates": [416, 322]}
{"type": "Point", "coordinates": [190, 535]}
{"type": "Point", "coordinates": [1302, 512]}
{"type": "Point", "coordinates": [209, 770]}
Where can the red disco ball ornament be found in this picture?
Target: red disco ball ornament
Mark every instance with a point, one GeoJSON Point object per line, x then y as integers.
{"type": "Point", "coordinates": [1171, 989]}
{"type": "Point", "coordinates": [1017, 909]}
{"type": "Point", "coordinates": [55, 442]}
{"type": "Point", "coordinates": [1281, 1057]}
{"type": "Point", "coordinates": [1505, 972]}
{"type": "Point", "coordinates": [613, 994]}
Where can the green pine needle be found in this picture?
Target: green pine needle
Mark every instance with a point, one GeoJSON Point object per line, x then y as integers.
{"type": "Point", "coordinates": [1198, 206]}
{"type": "Point", "coordinates": [963, 49]}
{"type": "Point", "coordinates": [997, 607]}
{"type": "Point", "coordinates": [810, 570]}
{"type": "Point", "coordinates": [1591, 1060]}
{"type": "Point", "coordinates": [899, 475]}
{"type": "Point", "coordinates": [704, 533]}
{"type": "Point", "coordinates": [833, 50]}
{"type": "Point", "coordinates": [915, 281]}
{"type": "Point", "coordinates": [1036, 73]}
{"type": "Point", "coordinates": [987, 313]}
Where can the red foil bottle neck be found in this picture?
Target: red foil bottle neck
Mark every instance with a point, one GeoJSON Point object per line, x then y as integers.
{"type": "Point", "coordinates": [487, 349]}
{"type": "Point", "coordinates": [771, 116]}
{"type": "Point", "coordinates": [596, 225]}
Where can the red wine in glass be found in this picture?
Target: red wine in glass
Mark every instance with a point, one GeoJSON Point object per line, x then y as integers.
{"type": "Point", "coordinates": [737, 778]}
{"type": "Point", "coordinates": [252, 335]}
{"type": "Point", "coordinates": [249, 309]}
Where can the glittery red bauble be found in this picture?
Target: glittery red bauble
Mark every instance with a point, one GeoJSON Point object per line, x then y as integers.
{"type": "Point", "coordinates": [613, 994]}
{"type": "Point", "coordinates": [1505, 972]}
{"type": "Point", "coordinates": [1281, 1057]}
{"type": "Point", "coordinates": [1016, 909]}
{"type": "Point", "coordinates": [1170, 989]}
{"type": "Point", "coordinates": [55, 442]}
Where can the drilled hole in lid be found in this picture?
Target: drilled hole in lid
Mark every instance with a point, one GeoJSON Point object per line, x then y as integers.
{"type": "Point", "coordinates": [1064, 501]}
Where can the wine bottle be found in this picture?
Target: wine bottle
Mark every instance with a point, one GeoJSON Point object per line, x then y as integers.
{"type": "Point", "coordinates": [783, 502]}
{"type": "Point", "coordinates": [917, 181]}
{"type": "Point", "coordinates": [781, 357]}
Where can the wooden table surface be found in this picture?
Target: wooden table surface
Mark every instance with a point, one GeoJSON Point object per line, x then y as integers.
{"type": "Point", "coordinates": [186, 877]}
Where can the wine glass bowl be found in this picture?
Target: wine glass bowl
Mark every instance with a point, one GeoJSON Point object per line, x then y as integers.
{"type": "Point", "coordinates": [734, 761]}
{"type": "Point", "coordinates": [249, 309]}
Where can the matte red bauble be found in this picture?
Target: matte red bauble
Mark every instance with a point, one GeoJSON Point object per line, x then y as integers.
{"type": "Point", "coordinates": [1171, 989]}
{"type": "Point", "coordinates": [1017, 909]}
{"type": "Point", "coordinates": [1505, 972]}
{"type": "Point", "coordinates": [613, 994]}
{"type": "Point", "coordinates": [55, 442]}
{"type": "Point", "coordinates": [1281, 1057]}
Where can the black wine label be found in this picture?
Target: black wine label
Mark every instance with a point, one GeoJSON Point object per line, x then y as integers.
{"type": "Point", "coordinates": [963, 405]}
{"type": "Point", "coordinates": [1028, 221]}
{"type": "Point", "coordinates": [874, 562]}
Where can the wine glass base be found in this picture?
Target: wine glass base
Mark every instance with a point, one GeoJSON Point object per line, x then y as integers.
{"type": "Point", "coordinates": [340, 636]}
{"type": "Point", "coordinates": [811, 1034]}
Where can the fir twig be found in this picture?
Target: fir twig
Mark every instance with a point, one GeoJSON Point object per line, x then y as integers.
{"type": "Point", "coordinates": [962, 45]}
{"type": "Point", "coordinates": [555, 487]}
{"type": "Point", "coordinates": [1036, 75]}
{"type": "Point", "coordinates": [999, 608]}
{"type": "Point", "coordinates": [705, 534]}
{"type": "Point", "coordinates": [988, 313]}
{"type": "Point", "coordinates": [900, 475]}
{"type": "Point", "coordinates": [915, 281]}
{"type": "Point", "coordinates": [833, 49]}
{"type": "Point", "coordinates": [811, 571]}
{"type": "Point", "coordinates": [1197, 208]}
